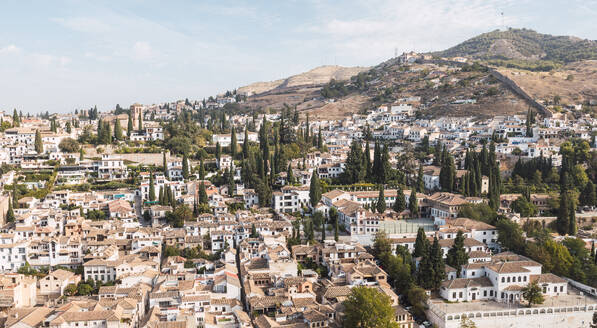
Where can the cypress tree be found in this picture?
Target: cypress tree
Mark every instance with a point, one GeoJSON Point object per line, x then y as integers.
{"type": "Point", "coordinates": [336, 233]}
{"type": "Point", "coordinates": [233, 143]}
{"type": "Point", "coordinates": [368, 167]}
{"type": "Point", "coordinates": [10, 215]}
{"type": "Point", "coordinates": [319, 140]}
{"type": "Point", "coordinates": [421, 243]}
{"type": "Point", "coordinates": [457, 256]}
{"type": "Point", "coordinates": [231, 183]}
{"type": "Point", "coordinates": [289, 174]}
{"type": "Point", "coordinates": [161, 197]}
{"type": "Point", "coordinates": [185, 166]}
{"type": "Point", "coordinates": [413, 204]}
{"type": "Point", "coordinates": [400, 202]}
{"type": "Point", "coordinates": [15, 194]}
{"type": "Point", "coordinates": [151, 187]}
{"type": "Point", "coordinates": [314, 189]}
{"type": "Point", "coordinates": [438, 265]}
{"type": "Point", "coordinates": [218, 152]}
{"type": "Point", "coordinates": [420, 186]}
{"type": "Point", "coordinates": [572, 218]}
{"type": "Point", "coordinates": [129, 128]}
{"type": "Point", "coordinates": [16, 121]}
{"type": "Point", "coordinates": [386, 168]}
{"type": "Point", "coordinates": [140, 121]}
{"type": "Point", "coordinates": [381, 201]}
{"type": "Point", "coordinates": [323, 230]}
{"type": "Point", "coordinates": [81, 154]}
{"type": "Point", "coordinates": [201, 170]}
{"type": "Point", "coordinates": [39, 146]}
{"type": "Point", "coordinates": [562, 221]}
{"type": "Point", "coordinates": [203, 194]}
{"type": "Point", "coordinates": [117, 130]}
{"type": "Point", "coordinates": [246, 144]}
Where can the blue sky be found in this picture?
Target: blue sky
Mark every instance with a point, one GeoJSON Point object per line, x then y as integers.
{"type": "Point", "coordinates": [61, 55]}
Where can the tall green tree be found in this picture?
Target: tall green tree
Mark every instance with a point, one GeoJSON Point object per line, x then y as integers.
{"type": "Point", "coordinates": [413, 204]}
{"type": "Point", "coordinates": [185, 166]}
{"type": "Point", "coordinates": [10, 215]}
{"type": "Point", "coordinates": [420, 186]}
{"type": "Point", "coordinates": [421, 243]}
{"type": "Point", "coordinates": [246, 144]}
{"type": "Point", "coordinates": [400, 202]}
{"type": "Point", "coordinates": [314, 189]}
{"type": "Point", "coordinates": [532, 294]}
{"type": "Point", "coordinates": [117, 130]}
{"type": "Point", "coordinates": [151, 187]}
{"type": "Point", "coordinates": [457, 256]}
{"type": "Point", "coordinates": [381, 201]}
{"type": "Point", "coordinates": [439, 267]}
{"type": "Point", "coordinates": [129, 128]}
{"type": "Point", "coordinates": [201, 170]}
{"type": "Point", "coordinates": [203, 194]}
{"type": "Point", "coordinates": [140, 121]}
{"type": "Point", "coordinates": [39, 146]}
{"type": "Point", "coordinates": [368, 308]}
{"type": "Point", "coordinates": [233, 145]}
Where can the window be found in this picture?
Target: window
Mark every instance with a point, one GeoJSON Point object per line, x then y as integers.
{"type": "Point", "coordinates": [503, 279]}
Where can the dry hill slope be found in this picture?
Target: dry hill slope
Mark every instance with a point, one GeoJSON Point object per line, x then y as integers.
{"type": "Point", "coordinates": [318, 75]}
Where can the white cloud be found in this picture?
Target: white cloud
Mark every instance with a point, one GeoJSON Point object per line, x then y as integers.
{"type": "Point", "coordinates": [143, 51]}
{"type": "Point", "coordinates": [10, 49]}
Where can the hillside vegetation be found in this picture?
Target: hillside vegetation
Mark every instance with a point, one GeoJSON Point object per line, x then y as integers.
{"type": "Point", "coordinates": [524, 48]}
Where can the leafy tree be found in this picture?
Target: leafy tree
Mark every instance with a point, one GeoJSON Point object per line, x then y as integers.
{"type": "Point", "coordinates": [368, 308]}
{"type": "Point", "coordinates": [69, 145]}
{"type": "Point", "coordinates": [457, 256]}
{"type": "Point", "coordinates": [465, 322]}
{"type": "Point", "coordinates": [84, 289]}
{"type": "Point", "coordinates": [314, 189]}
{"type": "Point", "coordinates": [523, 206]}
{"type": "Point", "coordinates": [382, 248]}
{"type": "Point", "coordinates": [70, 290]}
{"type": "Point", "coordinates": [532, 294]}
{"type": "Point", "coordinates": [39, 146]}
{"type": "Point", "coordinates": [510, 236]}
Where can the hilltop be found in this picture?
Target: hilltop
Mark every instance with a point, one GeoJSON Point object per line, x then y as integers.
{"type": "Point", "coordinates": [524, 44]}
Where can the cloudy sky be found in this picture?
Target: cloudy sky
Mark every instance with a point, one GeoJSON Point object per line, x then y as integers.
{"type": "Point", "coordinates": [66, 54]}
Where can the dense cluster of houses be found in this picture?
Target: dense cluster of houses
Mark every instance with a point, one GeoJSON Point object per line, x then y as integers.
{"type": "Point", "coordinates": [233, 266]}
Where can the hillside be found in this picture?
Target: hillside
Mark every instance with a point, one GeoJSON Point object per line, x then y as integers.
{"type": "Point", "coordinates": [523, 44]}
{"type": "Point", "coordinates": [542, 65]}
{"type": "Point", "coordinates": [316, 76]}
{"type": "Point", "coordinates": [574, 83]}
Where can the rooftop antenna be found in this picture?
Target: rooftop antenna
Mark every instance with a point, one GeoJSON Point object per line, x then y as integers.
{"type": "Point", "coordinates": [395, 52]}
